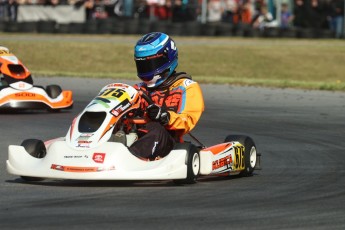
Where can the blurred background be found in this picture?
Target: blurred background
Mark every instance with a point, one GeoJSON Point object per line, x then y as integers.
{"type": "Point", "coordinates": [246, 18]}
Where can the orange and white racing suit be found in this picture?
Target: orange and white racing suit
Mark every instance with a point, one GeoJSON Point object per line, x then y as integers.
{"type": "Point", "coordinates": [182, 98]}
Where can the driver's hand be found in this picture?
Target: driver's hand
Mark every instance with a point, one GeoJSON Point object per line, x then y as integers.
{"type": "Point", "coordinates": [157, 113]}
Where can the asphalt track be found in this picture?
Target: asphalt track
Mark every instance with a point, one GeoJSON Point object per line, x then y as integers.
{"type": "Point", "coordinates": [301, 186]}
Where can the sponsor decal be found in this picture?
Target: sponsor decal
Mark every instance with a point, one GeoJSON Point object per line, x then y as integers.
{"type": "Point", "coordinates": [83, 140]}
{"type": "Point", "coordinates": [154, 56]}
{"type": "Point", "coordinates": [225, 161]}
{"type": "Point", "coordinates": [115, 112]}
{"type": "Point", "coordinates": [86, 135]}
{"type": "Point", "coordinates": [171, 99]}
{"type": "Point", "coordinates": [57, 167]}
{"type": "Point", "coordinates": [117, 85]}
{"type": "Point", "coordinates": [98, 157]}
{"type": "Point", "coordinates": [120, 107]}
{"type": "Point", "coordinates": [172, 45]}
{"type": "Point", "coordinates": [73, 156]}
{"type": "Point", "coordinates": [154, 147]}
{"type": "Point", "coordinates": [232, 162]}
{"type": "Point", "coordinates": [25, 94]}
{"type": "Point", "coordinates": [84, 144]}
{"type": "Point", "coordinates": [239, 157]}
{"type": "Point", "coordinates": [80, 169]}
{"type": "Point", "coordinates": [108, 93]}
{"type": "Point", "coordinates": [21, 85]}
{"type": "Point", "coordinates": [188, 82]}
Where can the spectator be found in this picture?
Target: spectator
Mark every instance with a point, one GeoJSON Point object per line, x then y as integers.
{"type": "Point", "coordinates": [315, 14]}
{"type": "Point", "coordinates": [337, 18]}
{"type": "Point", "coordinates": [89, 6]}
{"type": "Point", "coordinates": [285, 17]}
{"type": "Point", "coordinates": [247, 12]}
{"type": "Point", "coordinates": [264, 19]}
{"type": "Point", "coordinates": [12, 10]}
{"type": "Point", "coordinates": [52, 2]}
{"type": "Point", "coordinates": [299, 14]}
{"type": "Point", "coordinates": [99, 11]}
{"type": "Point", "coordinates": [244, 13]}
{"type": "Point", "coordinates": [76, 3]}
{"type": "Point", "coordinates": [257, 6]}
{"type": "Point", "coordinates": [215, 11]}
{"type": "Point", "coordinates": [163, 10]}
{"type": "Point", "coordinates": [159, 9]}
{"type": "Point", "coordinates": [2, 10]}
{"type": "Point", "coordinates": [181, 11]}
{"type": "Point", "coordinates": [230, 7]}
{"type": "Point", "coordinates": [35, 2]}
{"type": "Point", "coordinates": [140, 9]}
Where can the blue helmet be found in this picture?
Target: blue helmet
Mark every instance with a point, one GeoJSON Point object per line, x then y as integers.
{"type": "Point", "coordinates": [155, 56]}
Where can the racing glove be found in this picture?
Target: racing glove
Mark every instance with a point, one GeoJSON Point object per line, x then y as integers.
{"type": "Point", "coordinates": [157, 113]}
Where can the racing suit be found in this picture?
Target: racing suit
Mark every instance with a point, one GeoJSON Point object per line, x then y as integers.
{"type": "Point", "coordinates": [182, 98]}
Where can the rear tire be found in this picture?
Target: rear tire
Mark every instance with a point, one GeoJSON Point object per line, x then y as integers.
{"type": "Point", "coordinates": [193, 166]}
{"type": "Point", "coordinates": [250, 153]}
{"type": "Point", "coordinates": [37, 149]}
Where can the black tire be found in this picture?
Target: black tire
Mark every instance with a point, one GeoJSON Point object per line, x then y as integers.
{"type": "Point", "coordinates": [46, 26]}
{"type": "Point", "coordinates": [53, 91]}
{"type": "Point", "coordinates": [76, 28]}
{"type": "Point", "coordinates": [27, 27]}
{"type": "Point", "coordinates": [193, 165]}
{"type": "Point", "coordinates": [12, 27]}
{"type": "Point", "coordinates": [250, 153]}
{"type": "Point", "coordinates": [3, 83]}
{"type": "Point", "coordinates": [37, 149]}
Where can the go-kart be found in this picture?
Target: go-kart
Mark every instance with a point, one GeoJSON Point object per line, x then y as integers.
{"type": "Point", "coordinates": [18, 92]}
{"type": "Point", "coordinates": [94, 150]}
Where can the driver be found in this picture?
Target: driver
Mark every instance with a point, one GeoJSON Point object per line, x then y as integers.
{"type": "Point", "coordinates": [178, 101]}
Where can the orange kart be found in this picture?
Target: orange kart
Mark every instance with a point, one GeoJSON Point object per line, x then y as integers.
{"type": "Point", "coordinates": [18, 92]}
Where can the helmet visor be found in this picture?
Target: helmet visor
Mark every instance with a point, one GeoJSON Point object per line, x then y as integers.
{"type": "Point", "coordinates": [147, 66]}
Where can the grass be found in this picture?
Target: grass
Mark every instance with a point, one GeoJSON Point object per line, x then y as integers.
{"type": "Point", "coordinates": [295, 63]}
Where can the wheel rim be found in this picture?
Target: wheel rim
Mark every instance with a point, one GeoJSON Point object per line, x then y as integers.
{"type": "Point", "coordinates": [195, 164]}
{"type": "Point", "coordinates": [253, 157]}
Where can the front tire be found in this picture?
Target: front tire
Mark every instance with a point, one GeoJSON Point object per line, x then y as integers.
{"type": "Point", "coordinates": [53, 92]}
{"type": "Point", "coordinates": [250, 154]}
{"type": "Point", "coordinates": [37, 149]}
{"type": "Point", "coordinates": [193, 166]}
{"type": "Point", "coordinates": [3, 83]}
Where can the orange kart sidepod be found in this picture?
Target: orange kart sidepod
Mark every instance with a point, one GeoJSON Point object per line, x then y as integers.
{"type": "Point", "coordinates": [17, 90]}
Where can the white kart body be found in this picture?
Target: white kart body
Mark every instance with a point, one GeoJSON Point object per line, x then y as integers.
{"type": "Point", "coordinates": [87, 152]}
{"type": "Point", "coordinates": [110, 161]}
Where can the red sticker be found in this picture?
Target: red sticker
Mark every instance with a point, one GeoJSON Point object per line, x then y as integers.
{"type": "Point", "coordinates": [98, 157]}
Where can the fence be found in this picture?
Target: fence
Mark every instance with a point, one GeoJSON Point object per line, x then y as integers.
{"type": "Point", "coordinates": [133, 17]}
